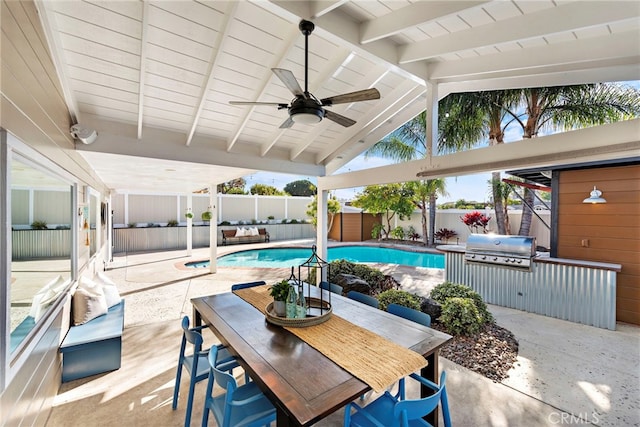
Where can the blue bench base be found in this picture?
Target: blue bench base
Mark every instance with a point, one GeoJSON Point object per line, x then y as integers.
{"type": "Point", "coordinates": [94, 347]}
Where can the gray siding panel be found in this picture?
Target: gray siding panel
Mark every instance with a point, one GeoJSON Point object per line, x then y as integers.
{"type": "Point", "coordinates": [575, 293]}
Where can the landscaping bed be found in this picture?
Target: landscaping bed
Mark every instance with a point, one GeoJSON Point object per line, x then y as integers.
{"type": "Point", "coordinates": [491, 352]}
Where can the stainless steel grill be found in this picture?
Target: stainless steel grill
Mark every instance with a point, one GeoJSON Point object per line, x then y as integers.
{"type": "Point", "coordinates": [505, 251]}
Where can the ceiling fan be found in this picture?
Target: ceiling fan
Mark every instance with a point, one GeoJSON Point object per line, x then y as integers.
{"type": "Point", "coordinates": [306, 108]}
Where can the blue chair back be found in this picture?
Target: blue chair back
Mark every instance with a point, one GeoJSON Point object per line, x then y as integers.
{"type": "Point", "coordinates": [388, 410]}
{"type": "Point", "coordinates": [195, 364]}
{"type": "Point", "coordinates": [410, 314]}
{"type": "Point", "coordinates": [365, 299]}
{"type": "Point", "coordinates": [239, 405]}
{"type": "Point", "coordinates": [332, 287]}
{"type": "Point", "coordinates": [247, 285]}
{"type": "Point", "coordinates": [417, 409]}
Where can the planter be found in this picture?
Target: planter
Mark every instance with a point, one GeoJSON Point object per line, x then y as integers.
{"type": "Point", "coordinates": [279, 307]}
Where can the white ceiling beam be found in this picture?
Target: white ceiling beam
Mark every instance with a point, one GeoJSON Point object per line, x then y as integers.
{"type": "Point", "coordinates": [567, 17]}
{"type": "Point", "coordinates": [143, 59]}
{"type": "Point", "coordinates": [385, 108]}
{"type": "Point", "coordinates": [340, 29]}
{"type": "Point", "coordinates": [337, 59]}
{"type": "Point", "coordinates": [57, 55]}
{"type": "Point", "coordinates": [526, 61]}
{"type": "Point", "coordinates": [619, 73]}
{"type": "Point", "coordinates": [287, 46]}
{"type": "Point", "coordinates": [410, 16]}
{"type": "Point", "coordinates": [404, 113]}
{"type": "Point", "coordinates": [117, 138]}
{"type": "Point", "coordinates": [612, 141]}
{"type": "Point", "coordinates": [322, 7]}
{"type": "Point", "coordinates": [212, 67]}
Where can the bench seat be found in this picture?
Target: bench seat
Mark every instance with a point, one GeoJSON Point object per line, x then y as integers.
{"type": "Point", "coordinates": [229, 237]}
{"type": "Point", "coordinates": [93, 347]}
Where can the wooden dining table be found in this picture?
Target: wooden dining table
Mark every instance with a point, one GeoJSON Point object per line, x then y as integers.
{"type": "Point", "coordinates": [304, 385]}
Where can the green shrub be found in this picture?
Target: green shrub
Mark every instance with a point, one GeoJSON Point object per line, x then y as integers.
{"type": "Point", "coordinates": [460, 316]}
{"type": "Point", "coordinates": [394, 296]}
{"type": "Point", "coordinates": [446, 290]}
{"type": "Point", "coordinates": [376, 231]}
{"type": "Point", "coordinates": [172, 223]}
{"type": "Point", "coordinates": [206, 215]}
{"type": "Point", "coordinates": [373, 277]}
{"type": "Point", "coordinates": [398, 233]}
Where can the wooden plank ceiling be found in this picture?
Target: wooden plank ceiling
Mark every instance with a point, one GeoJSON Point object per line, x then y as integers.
{"type": "Point", "coordinates": [155, 77]}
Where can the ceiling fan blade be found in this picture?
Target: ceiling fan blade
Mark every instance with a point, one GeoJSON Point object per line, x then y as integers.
{"type": "Point", "coordinates": [289, 81]}
{"type": "Point", "coordinates": [280, 105]}
{"type": "Point", "coordinates": [287, 123]}
{"type": "Point", "coordinates": [361, 95]}
{"type": "Point", "coordinates": [339, 119]}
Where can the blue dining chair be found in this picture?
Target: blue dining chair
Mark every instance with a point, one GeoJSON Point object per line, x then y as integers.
{"type": "Point", "coordinates": [196, 364]}
{"type": "Point", "coordinates": [410, 314]}
{"type": "Point", "coordinates": [336, 289]}
{"type": "Point", "coordinates": [363, 298]}
{"type": "Point", "coordinates": [247, 285]}
{"type": "Point", "coordinates": [391, 411]}
{"type": "Point", "coordinates": [243, 405]}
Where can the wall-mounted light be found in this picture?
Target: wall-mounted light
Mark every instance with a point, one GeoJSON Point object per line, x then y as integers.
{"type": "Point", "coordinates": [595, 197]}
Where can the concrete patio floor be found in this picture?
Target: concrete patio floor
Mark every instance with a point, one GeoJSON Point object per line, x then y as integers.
{"type": "Point", "coordinates": [566, 373]}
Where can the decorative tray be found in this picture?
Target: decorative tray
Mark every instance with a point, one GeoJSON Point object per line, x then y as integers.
{"type": "Point", "coordinates": [316, 317]}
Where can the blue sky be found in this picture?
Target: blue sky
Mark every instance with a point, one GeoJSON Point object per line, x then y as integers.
{"type": "Point", "coordinates": [468, 187]}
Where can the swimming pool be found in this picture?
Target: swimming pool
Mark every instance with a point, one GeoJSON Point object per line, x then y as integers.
{"type": "Point", "coordinates": [286, 257]}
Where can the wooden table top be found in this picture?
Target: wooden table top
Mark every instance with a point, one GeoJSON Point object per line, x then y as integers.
{"type": "Point", "coordinates": [303, 383]}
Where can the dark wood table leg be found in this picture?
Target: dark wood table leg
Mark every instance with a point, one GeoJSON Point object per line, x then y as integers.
{"type": "Point", "coordinates": [283, 419]}
{"type": "Point", "coordinates": [430, 372]}
{"type": "Point", "coordinates": [197, 319]}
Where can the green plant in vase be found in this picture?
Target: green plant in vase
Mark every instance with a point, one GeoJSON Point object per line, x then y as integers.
{"type": "Point", "coordinates": [279, 292]}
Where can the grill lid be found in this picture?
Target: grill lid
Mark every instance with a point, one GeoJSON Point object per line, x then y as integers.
{"type": "Point", "coordinates": [513, 251]}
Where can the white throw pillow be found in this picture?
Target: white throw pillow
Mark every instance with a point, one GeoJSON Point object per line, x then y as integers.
{"type": "Point", "coordinates": [45, 296]}
{"type": "Point", "coordinates": [109, 288]}
{"type": "Point", "coordinates": [239, 232]}
{"type": "Point", "coordinates": [254, 231]}
{"type": "Point", "coordinates": [89, 285]}
{"type": "Point", "coordinates": [87, 306]}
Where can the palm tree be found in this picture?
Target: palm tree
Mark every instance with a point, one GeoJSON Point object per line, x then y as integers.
{"type": "Point", "coordinates": [409, 142]}
{"type": "Point", "coordinates": [469, 118]}
{"type": "Point", "coordinates": [424, 194]}
{"type": "Point", "coordinates": [501, 190]}
{"type": "Point", "coordinates": [571, 107]}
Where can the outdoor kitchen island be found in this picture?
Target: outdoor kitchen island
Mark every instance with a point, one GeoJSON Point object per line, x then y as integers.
{"type": "Point", "coordinates": [575, 290]}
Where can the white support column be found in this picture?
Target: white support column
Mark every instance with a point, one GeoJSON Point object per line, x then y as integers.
{"type": "Point", "coordinates": [189, 224]}
{"type": "Point", "coordinates": [126, 209]}
{"type": "Point", "coordinates": [219, 206]}
{"type": "Point", "coordinates": [431, 119]}
{"type": "Point", "coordinates": [286, 207]}
{"type": "Point", "coordinates": [109, 229]}
{"type": "Point", "coordinates": [321, 229]}
{"type": "Point", "coordinates": [255, 206]}
{"type": "Point", "coordinates": [213, 229]}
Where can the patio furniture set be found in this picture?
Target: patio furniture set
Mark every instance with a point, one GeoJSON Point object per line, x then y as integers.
{"type": "Point", "coordinates": [326, 377]}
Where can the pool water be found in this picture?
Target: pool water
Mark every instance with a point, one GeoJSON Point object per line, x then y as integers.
{"type": "Point", "coordinates": [286, 257]}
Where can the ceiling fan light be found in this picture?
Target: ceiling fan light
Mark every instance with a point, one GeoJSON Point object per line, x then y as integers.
{"type": "Point", "coordinates": [307, 115]}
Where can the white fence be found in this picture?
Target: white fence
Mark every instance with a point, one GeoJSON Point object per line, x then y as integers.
{"type": "Point", "coordinates": [141, 209]}
{"type": "Point", "coordinates": [451, 219]}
